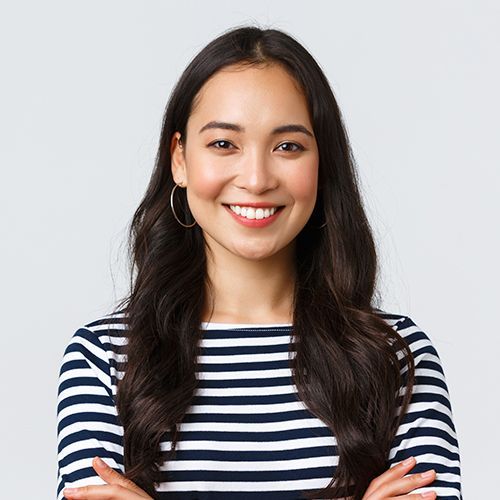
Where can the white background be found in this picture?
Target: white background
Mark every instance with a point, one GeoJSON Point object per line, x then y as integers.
{"type": "Point", "coordinates": [83, 90]}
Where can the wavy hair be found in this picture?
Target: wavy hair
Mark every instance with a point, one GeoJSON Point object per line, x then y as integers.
{"type": "Point", "coordinates": [346, 366]}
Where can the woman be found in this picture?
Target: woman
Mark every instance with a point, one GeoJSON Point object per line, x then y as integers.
{"type": "Point", "coordinates": [250, 360]}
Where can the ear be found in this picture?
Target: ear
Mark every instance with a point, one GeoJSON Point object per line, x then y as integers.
{"type": "Point", "coordinates": [178, 162]}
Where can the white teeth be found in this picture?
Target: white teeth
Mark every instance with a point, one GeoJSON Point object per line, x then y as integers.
{"type": "Point", "coordinates": [253, 213]}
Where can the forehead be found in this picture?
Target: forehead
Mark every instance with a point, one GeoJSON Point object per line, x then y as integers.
{"type": "Point", "coordinates": [251, 94]}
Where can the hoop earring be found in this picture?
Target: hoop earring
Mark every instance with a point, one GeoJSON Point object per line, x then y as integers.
{"type": "Point", "coordinates": [173, 210]}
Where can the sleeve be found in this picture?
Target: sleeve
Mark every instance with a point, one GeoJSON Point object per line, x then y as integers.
{"type": "Point", "coordinates": [427, 431]}
{"type": "Point", "coordinates": [87, 418]}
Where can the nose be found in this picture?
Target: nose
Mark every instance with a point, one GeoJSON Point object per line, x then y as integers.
{"type": "Point", "coordinates": [256, 173]}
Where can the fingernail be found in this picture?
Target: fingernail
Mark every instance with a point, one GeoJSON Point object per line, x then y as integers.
{"type": "Point", "coordinates": [70, 491]}
{"type": "Point", "coordinates": [408, 461]}
{"type": "Point", "coordinates": [100, 462]}
{"type": "Point", "coordinates": [427, 494]}
{"type": "Point", "coordinates": [427, 474]}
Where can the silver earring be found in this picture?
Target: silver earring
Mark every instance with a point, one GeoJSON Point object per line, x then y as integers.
{"type": "Point", "coordinates": [173, 210]}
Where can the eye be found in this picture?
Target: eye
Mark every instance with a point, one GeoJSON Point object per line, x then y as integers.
{"type": "Point", "coordinates": [298, 147]}
{"type": "Point", "coordinates": [221, 141]}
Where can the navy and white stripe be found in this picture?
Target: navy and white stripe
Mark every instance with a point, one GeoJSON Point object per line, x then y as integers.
{"type": "Point", "coordinates": [246, 433]}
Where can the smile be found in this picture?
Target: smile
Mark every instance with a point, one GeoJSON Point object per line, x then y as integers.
{"type": "Point", "coordinates": [254, 217]}
{"type": "Point", "coordinates": [253, 213]}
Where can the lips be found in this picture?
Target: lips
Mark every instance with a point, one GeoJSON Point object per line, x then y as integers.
{"type": "Point", "coordinates": [259, 204]}
{"type": "Point", "coordinates": [244, 210]}
{"type": "Point", "coordinates": [261, 222]}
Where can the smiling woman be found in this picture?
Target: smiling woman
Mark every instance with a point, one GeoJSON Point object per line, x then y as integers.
{"type": "Point", "coordinates": [263, 110]}
{"type": "Point", "coordinates": [250, 359]}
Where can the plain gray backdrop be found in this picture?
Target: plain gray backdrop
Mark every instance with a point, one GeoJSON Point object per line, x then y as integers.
{"type": "Point", "coordinates": [83, 90]}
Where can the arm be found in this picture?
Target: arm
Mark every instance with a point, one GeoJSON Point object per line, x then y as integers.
{"type": "Point", "coordinates": [87, 419]}
{"type": "Point", "coordinates": [427, 431]}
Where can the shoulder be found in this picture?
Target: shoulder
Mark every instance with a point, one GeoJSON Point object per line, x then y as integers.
{"type": "Point", "coordinates": [108, 330]}
{"type": "Point", "coordinates": [97, 345]}
{"type": "Point", "coordinates": [419, 341]}
{"type": "Point", "coordinates": [105, 333]}
{"type": "Point", "coordinates": [430, 379]}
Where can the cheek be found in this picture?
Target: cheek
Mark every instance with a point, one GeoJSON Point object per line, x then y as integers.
{"type": "Point", "coordinates": [303, 185]}
{"type": "Point", "coordinates": [205, 181]}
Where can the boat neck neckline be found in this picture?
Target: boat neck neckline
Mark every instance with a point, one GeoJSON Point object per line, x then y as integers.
{"type": "Point", "coordinates": [212, 324]}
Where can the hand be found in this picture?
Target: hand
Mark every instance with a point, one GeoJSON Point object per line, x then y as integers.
{"type": "Point", "coordinates": [391, 483]}
{"type": "Point", "coordinates": [118, 487]}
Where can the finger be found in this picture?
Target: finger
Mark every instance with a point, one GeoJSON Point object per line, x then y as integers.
{"type": "Point", "coordinates": [395, 472]}
{"type": "Point", "coordinates": [405, 485]}
{"type": "Point", "coordinates": [428, 495]}
{"type": "Point", "coordinates": [111, 476]}
{"type": "Point", "coordinates": [94, 492]}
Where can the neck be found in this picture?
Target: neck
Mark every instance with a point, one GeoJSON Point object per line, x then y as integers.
{"type": "Point", "coordinates": [250, 291]}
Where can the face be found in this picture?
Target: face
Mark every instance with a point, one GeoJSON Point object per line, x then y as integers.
{"type": "Point", "coordinates": [249, 141]}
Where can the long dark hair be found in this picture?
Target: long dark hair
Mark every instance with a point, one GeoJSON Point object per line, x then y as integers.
{"type": "Point", "coordinates": [346, 367]}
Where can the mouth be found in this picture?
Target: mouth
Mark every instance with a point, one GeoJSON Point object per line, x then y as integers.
{"type": "Point", "coordinates": [254, 216]}
{"type": "Point", "coordinates": [242, 209]}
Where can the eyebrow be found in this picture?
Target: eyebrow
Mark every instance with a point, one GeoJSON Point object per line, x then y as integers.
{"type": "Point", "coordinates": [291, 127]}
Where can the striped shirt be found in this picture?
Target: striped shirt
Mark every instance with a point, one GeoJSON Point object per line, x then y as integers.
{"type": "Point", "coordinates": [246, 434]}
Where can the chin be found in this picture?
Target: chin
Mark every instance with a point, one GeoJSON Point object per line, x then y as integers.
{"type": "Point", "coordinates": [256, 256]}
{"type": "Point", "coordinates": [257, 253]}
